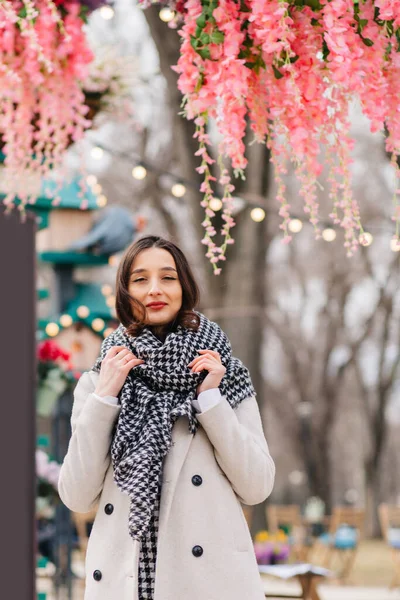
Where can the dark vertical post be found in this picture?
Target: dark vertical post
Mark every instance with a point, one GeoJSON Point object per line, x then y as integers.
{"type": "Point", "coordinates": [17, 391]}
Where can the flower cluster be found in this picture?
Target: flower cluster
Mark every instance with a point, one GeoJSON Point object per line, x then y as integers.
{"type": "Point", "coordinates": [51, 356]}
{"type": "Point", "coordinates": [49, 351]}
{"type": "Point", "coordinates": [290, 68]}
{"type": "Point", "coordinates": [44, 57]}
{"type": "Point", "coordinates": [109, 82]}
{"type": "Point", "coordinates": [271, 549]}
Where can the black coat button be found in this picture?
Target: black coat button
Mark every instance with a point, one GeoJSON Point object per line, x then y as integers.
{"type": "Point", "coordinates": [108, 509]}
{"type": "Point", "coordinates": [197, 480]}
{"type": "Point", "coordinates": [197, 551]}
{"type": "Point", "coordinates": [97, 575]}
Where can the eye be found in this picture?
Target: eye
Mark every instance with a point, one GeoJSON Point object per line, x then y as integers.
{"type": "Point", "coordinates": [137, 280]}
{"type": "Point", "coordinates": [170, 278]}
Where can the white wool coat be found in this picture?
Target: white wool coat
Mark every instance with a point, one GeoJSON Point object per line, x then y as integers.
{"type": "Point", "coordinates": [230, 454]}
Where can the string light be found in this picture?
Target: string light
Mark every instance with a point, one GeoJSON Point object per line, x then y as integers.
{"type": "Point", "coordinates": [98, 324]}
{"type": "Point", "coordinates": [113, 261]}
{"type": "Point", "coordinates": [295, 225]}
{"type": "Point", "coordinates": [106, 290]}
{"type": "Point", "coordinates": [91, 180]}
{"type": "Point", "coordinates": [329, 234]}
{"type": "Point", "coordinates": [96, 188]}
{"type": "Point", "coordinates": [258, 214]}
{"type": "Point", "coordinates": [178, 190]}
{"type": "Point", "coordinates": [139, 172]}
{"type": "Point", "coordinates": [395, 245]}
{"type": "Point", "coordinates": [110, 301]}
{"type": "Point", "coordinates": [366, 239]}
{"type": "Point", "coordinates": [108, 331]}
{"type": "Point", "coordinates": [52, 329]}
{"type": "Point", "coordinates": [66, 320]}
{"type": "Point", "coordinates": [215, 204]}
{"type": "Point", "coordinates": [101, 201]}
{"type": "Point", "coordinates": [97, 153]}
{"type": "Point", "coordinates": [107, 12]}
{"type": "Point", "coordinates": [166, 14]}
{"type": "Point", "coordinates": [82, 311]}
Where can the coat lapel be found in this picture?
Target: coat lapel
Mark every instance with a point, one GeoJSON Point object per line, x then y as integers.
{"type": "Point", "coordinates": [181, 440]}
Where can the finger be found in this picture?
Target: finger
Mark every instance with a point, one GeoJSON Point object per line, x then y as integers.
{"type": "Point", "coordinates": [212, 352]}
{"type": "Point", "coordinates": [121, 356]}
{"type": "Point", "coordinates": [114, 350]}
{"type": "Point", "coordinates": [134, 363]}
{"type": "Point", "coordinates": [198, 358]}
{"type": "Point", "coordinates": [209, 365]}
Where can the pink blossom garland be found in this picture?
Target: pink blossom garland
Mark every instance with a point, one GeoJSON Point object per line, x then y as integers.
{"type": "Point", "coordinates": [43, 60]}
{"type": "Point", "coordinates": [292, 70]}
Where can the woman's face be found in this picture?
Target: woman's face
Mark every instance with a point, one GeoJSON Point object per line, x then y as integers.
{"type": "Point", "coordinates": [154, 282]}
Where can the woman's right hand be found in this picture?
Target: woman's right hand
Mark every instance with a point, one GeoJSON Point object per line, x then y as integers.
{"type": "Point", "coordinates": [114, 370]}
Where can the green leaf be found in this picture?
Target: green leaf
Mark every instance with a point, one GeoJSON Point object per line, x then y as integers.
{"type": "Point", "coordinates": [194, 42]}
{"type": "Point", "coordinates": [204, 53]}
{"type": "Point", "coordinates": [217, 37]}
{"type": "Point", "coordinates": [22, 13]}
{"type": "Point", "coordinates": [198, 31]}
{"type": "Point", "coordinates": [367, 41]}
{"type": "Point", "coordinates": [277, 73]}
{"type": "Point", "coordinates": [325, 49]}
{"type": "Point", "coordinates": [201, 21]}
{"type": "Point", "coordinates": [205, 39]}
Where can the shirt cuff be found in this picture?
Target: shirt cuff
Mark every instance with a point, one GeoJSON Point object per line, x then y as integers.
{"type": "Point", "coordinates": [107, 399]}
{"type": "Point", "coordinates": [206, 400]}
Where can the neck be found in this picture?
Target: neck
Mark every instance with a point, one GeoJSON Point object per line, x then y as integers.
{"type": "Point", "coordinates": [161, 331]}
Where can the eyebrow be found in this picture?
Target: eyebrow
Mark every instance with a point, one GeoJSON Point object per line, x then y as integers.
{"type": "Point", "coordinates": [135, 271]}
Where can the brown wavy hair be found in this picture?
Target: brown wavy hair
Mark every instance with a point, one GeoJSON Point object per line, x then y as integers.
{"type": "Point", "coordinates": [133, 317]}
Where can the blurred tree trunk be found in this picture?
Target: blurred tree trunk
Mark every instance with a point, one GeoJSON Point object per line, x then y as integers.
{"type": "Point", "coordinates": [236, 298]}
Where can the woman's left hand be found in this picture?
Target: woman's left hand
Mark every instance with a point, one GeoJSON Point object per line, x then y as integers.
{"type": "Point", "coordinates": [208, 361]}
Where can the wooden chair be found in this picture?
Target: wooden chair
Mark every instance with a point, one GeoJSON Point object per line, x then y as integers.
{"type": "Point", "coordinates": [347, 526]}
{"type": "Point", "coordinates": [389, 518]}
{"type": "Point", "coordinates": [81, 522]}
{"type": "Point", "coordinates": [288, 517]}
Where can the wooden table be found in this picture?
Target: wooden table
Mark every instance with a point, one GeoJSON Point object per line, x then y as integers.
{"type": "Point", "coordinates": [307, 575]}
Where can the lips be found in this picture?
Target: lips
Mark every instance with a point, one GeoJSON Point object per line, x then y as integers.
{"type": "Point", "coordinates": [156, 305]}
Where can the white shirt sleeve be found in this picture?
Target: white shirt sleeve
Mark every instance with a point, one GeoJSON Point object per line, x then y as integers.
{"type": "Point", "coordinates": [107, 399]}
{"type": "Point", "coordinates": [206, 400]}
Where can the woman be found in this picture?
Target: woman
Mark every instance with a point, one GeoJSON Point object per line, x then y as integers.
{"type": "Point", "coordinates": [166, 440]}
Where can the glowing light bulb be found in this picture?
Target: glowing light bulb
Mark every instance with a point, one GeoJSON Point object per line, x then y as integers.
{"type": "Point", "coordinates": [215, 204]}
{"type": "Point", "coordinates": [139, 172]}
{"type": "Point", "coordinates": [295, 225]}
{"type": "Point", "coordinates": [178, 190]}
{"type": "Point", "coordinates": [98, 324]}
{"type": "Point", "coordinates": [66, 320]}
{"type": "Point", "coordinates": [366, 239]}
{"type": "Point", "coordinates": [101, 201]}
{"type": "Point", "coordinates": [329, 234]}
{"type": "Point", "coordinates": [97, 153]}
{"type": "Point", "coordinates": [82, 311]}
{"type": "Point", "coordinates": [107, 12]}
{"type": "Point", "coordinates": [91, 180]}
{"type": "Point", "coordinates": [258, 214]}
{"type": "Point", "coordinates": [106, 290]}
{"type": "Point", "coordinates": [395, 245]}
{"type": "Point", "coordinates": [166, 14]}
{"type": "Point", "coordinates": [52, 329]}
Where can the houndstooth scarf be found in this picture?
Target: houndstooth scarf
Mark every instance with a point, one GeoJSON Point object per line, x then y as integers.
{"type": "Point", "coordinates": [155, 394]}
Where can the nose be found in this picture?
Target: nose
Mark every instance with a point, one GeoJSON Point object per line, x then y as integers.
{"type": "Point", "coordinates": [154, 288]}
